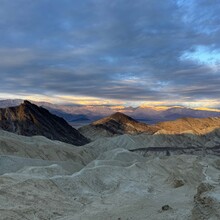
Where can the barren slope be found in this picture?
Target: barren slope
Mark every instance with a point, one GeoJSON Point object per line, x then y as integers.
{"type": "Point", "coordinates": [189, 125]}
{"type": "Point", "coordinates": [28, 119]}
{"type": "Point", "coordinates": [117, 185]}
{"type": "Point", "coordinates": [116, 124]}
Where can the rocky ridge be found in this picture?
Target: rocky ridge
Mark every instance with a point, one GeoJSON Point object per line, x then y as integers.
{"type": "Point", "coordinates": [28, 119]}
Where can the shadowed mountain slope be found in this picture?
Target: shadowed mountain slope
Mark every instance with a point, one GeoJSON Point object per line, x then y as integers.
{"type": "Point", "coordinates": [28, 119]}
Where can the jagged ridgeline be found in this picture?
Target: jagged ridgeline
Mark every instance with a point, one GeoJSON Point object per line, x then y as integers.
{"type": "Point", "coordinates": [28, 119]}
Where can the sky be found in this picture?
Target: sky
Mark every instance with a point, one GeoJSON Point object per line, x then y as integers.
{"type": "Point", "coordinates": [119, 52]}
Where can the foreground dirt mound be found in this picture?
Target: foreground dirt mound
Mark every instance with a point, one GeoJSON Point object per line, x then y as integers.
{"type": "Point", "coordinates": [44, 179]}
{"type": "Point", "coordinates": [119, 184]}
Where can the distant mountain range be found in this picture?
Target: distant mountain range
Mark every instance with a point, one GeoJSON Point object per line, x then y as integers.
{"type": "Point", "coordinates": [29, 120]}
{"type": "Point", "coordinates": [86, 114]}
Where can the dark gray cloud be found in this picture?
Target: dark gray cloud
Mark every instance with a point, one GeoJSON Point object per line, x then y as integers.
{"type": "Point", "coordinates": [118, 49]}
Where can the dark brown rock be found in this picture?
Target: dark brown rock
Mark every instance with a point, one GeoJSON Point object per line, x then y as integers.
{"type": "Point", "coordinates": [28, 119]}
{"type": "Point", "coordinates": [118, 124]}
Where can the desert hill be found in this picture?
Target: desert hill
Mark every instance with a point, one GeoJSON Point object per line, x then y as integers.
{"type": "Point", "coordinates": [189, 125]}
{"type": "Point", "coordinates": [116, 124]}
{"type": "Point", "coordinates": [119, 123]}
{"type": "Point", "coordinates": [28, 119]}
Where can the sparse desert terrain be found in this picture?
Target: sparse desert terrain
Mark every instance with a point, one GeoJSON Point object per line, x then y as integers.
{"type": "Point", "coordinates": [45, 179]}
{"type": "Point", "coordinates": [109, 110]}
{"type": "Point", "coordinates": [126, 170]}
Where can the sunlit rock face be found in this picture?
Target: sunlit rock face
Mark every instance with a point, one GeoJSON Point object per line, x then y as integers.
{"type": "Point", "coordinates": [119, 123]}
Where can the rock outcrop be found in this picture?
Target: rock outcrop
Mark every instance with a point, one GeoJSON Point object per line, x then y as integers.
{"type": "Point", "coordinates": [116, 124]}
{"type": "Point", "coordinates": [28, 119]}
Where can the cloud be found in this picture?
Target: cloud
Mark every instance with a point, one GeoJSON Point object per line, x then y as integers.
{"type": "Point", "coordinates": [120, 49]}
